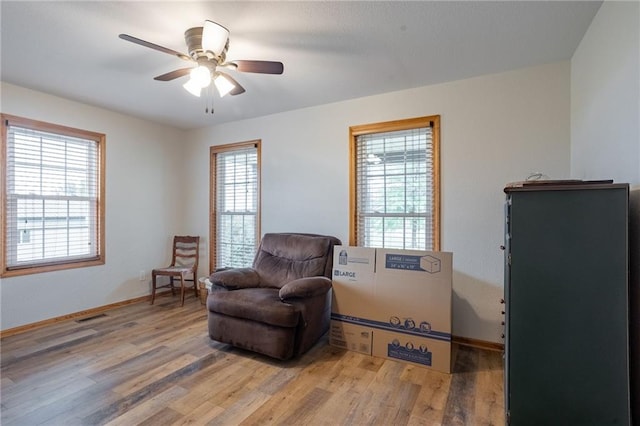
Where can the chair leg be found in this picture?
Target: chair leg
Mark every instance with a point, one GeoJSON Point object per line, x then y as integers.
{"type": "Point", "coordinates": [182, 289]}
{"type": "Point", "coordinates": [196, 290]}
{"type": "Point", "coordinates": [153, 287]}
{"type": "Point", "coordinates": [173, 293]}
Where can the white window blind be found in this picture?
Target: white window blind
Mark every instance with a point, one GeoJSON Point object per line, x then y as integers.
{"type": "Point", "coordinates": [52, 196]}
{"type": "Point", "coordinates": [395, 189]}
{"type": "Point", "coordinates": [236, 207]}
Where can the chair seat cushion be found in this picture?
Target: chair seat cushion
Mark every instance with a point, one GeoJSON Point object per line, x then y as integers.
{"type": "Point", "coordinates": [172, 270]}
{"type": "Point", "coordinates": [257, 304]}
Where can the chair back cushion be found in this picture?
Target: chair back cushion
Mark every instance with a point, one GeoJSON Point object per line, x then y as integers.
{"type": "Point", "coordinates": [185, 251]}
{"type": "Point", "coordinates": [286, 257]}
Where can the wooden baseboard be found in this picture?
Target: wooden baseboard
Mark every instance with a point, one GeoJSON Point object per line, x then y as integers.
{"type": "Point", "coordinates": [482, 344]}
{"type": "Point", "coordinates": [82, 314]}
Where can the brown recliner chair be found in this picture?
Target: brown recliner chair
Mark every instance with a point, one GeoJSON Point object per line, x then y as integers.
{"type": "Point", "coordinates": [282, 305]}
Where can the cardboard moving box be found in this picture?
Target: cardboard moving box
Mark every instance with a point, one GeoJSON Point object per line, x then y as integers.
{"type": "Point", "coordinates": [353, 337]}
{"type": "Point", "coordinates": [402, 297]}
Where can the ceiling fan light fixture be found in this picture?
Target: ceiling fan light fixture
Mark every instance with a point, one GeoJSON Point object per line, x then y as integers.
{"type": "Point", "coordinates": [201, 76]}
{"type": "Point", "coordinates": [214, 37]}
{"type": "Point", "coordinates": [223, 85]}
{"type": "Point", "coordinates": [192, 87]}
{"type": "Point", "coordinates": [207, 46]}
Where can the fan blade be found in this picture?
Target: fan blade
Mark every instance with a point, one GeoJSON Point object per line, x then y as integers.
{"type": "Point", "coordinates": [150, 45]}
{"type": "Point", "coordinates": [238, 89]}
{"type": "Point", "coordinates": [262, 67]}
{"type": "Point", "coordinates": [173, 74]}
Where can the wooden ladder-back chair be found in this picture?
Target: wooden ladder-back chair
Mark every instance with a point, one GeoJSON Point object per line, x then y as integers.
{"type": "Point", "coordinates": [184, 262]}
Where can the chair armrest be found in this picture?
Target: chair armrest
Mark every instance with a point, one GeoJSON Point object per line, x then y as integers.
{"type": "Point", "coordinates": [305, 287]}
{"type": "Point", "coordinates": [233, 279]}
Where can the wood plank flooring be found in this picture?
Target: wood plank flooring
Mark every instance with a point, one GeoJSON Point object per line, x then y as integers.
{"type": "Point", "coordinates": [155, 365]}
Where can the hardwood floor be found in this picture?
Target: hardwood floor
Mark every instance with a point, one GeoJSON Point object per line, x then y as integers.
{"type": "Point", "coordinates": [155, 365]}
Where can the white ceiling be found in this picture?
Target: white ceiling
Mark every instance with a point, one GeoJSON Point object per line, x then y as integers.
{"type": "Point", "coordinates": [331, 51]}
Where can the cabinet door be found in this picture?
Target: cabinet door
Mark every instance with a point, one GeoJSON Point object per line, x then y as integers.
{"type": "Point", "coordinates": [567, 343]}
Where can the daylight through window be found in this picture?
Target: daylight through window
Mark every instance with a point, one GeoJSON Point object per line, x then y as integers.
{"type": "Point", "coordinates": [236, 209]}
{"type": "Point", "coordinates": [395, 184]}
{"type": "Point", "coordinates": [52, 193]}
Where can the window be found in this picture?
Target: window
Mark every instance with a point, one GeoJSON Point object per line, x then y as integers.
{"type": "Point", "coordinates": [395, 184]}
{"type": "Point", "coordinates": [53, 197]}
{"type": "Point", "coordinates": [235, 204]}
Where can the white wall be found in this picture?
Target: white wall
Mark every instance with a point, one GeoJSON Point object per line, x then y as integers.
{"type": "Point", "coordinates": [143, 182]}
{"type": "Point", "coordinates": [605, 128]}
{"type": "Point", "coordinates": [605, 96]}
{"type": "Point", "coordinates": [494, 129]}
{"type": "Point", "coordinates": [491, 134]}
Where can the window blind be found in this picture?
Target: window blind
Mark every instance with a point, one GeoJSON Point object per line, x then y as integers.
{"type": "Point", "coordinates": [395, 189]}
{"type": "Point", "coordinates": [52, 187]}
{"type": "Point", "coordinates": [236, 207]}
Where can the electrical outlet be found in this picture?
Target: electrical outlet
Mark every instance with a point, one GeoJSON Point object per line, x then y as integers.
{"type": "Point", "coordinates": [142, 276]}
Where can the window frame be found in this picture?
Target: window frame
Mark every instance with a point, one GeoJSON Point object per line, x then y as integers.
{"type": "Point", "coordinates": [69, 263]}
{"type": "Point", "coordinates": [213, 225]}
{"type": "Point", "coordinates": [391, 126]}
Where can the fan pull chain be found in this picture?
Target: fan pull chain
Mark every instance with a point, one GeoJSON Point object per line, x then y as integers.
{"type": "Point", "coordinates": [208, 98]}
{"type": "Point", "coordinates": [211, 96]}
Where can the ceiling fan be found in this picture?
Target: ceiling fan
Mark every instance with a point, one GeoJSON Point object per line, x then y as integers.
{"type": "Point", "coordinates": [207, 47]}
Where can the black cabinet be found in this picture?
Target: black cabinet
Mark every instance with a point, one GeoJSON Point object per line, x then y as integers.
{"type": "Point", "coordinates": [567, 306]}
